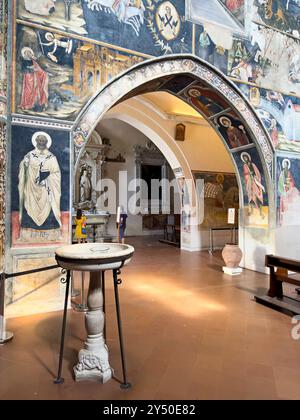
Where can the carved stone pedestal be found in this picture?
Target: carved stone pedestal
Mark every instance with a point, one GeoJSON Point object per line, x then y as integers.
{"type": "Point", "coordinates": [94, 359]}
{"type": "Point", "coordinates": [96, 258]}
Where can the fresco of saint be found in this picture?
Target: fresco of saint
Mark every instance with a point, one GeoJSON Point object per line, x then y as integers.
{"type": "Point", "coordinates": [40, 190]}
{"type": "Point", "coordinates": [253, 182]}
{"type": "Point", "coordinates": [205, 99]}
{"type": "Point", "coordinates": [235, 136]}
{"type": "Point", "coordinates": [289, 195]}
{"type": "Point", "coordinates": [35, 86]}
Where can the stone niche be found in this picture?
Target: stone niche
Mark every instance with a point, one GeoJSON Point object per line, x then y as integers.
{"type": "Point", "coordinates": [86, 191]}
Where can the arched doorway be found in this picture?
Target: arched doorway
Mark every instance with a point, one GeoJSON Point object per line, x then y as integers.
{"type": "Point", "coordinates": [227, 111]}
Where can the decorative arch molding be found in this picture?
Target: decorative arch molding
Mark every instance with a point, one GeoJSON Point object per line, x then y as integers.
{"type": "Point", "coordinates": [255, 239]}
{"type": "Point", "coordinates": [151, 70]}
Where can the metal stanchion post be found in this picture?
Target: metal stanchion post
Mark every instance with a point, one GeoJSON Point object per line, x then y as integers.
{"type": "Point", "coordinates": [5, 336]}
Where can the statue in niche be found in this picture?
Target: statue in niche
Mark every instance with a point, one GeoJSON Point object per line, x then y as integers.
{"type": "Point", "coordinates": [85, 187]}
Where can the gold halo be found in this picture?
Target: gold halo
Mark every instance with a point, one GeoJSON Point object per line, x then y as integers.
{"type": "Point", "coordinates": [41, 133]}
{"type": "Point", "coordinates": [194, 92]}
{"type": "Point", "coordinates": [25, 51]}
{"type": "Point", "coordinates": [289, 163]}
{"type": "Point", "coordinates": [225, 118]}
{"type": "Point", "coordinates": [243, 155]}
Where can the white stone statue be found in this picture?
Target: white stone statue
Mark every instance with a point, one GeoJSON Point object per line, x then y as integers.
{"type": "Point", "coordinates": [85, 186]}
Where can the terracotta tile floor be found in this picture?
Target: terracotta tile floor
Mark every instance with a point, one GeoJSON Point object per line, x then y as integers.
{"type": "Point", "coordinates": [191, 333]}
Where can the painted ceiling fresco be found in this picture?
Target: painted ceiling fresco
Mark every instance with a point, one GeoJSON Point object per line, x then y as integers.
{"type": "Point", "coordinates": [79, 46]}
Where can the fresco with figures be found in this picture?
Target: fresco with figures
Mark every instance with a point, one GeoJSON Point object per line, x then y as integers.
{"type": "Point", "coordinates": [280, 115]}
{"type": "Point", "coordinates": [112, 36]}
{"type": "Point", "coordinates": [153, 27]}
{"type": "Point", "coordinates": [232, 130]}
{"type": "Point", "coordinates": [237, 8]}
{"type": "Point", "coordinates": [221, 193]}
{"type": "Point", "coordinates": [254, 186]}
{"type": "Point", "coordinates": [280, 14]}
{"type": "Point", "coordinates": [65, 51]}
{"type": "Point", "coordinates": [211, 105]}
{"type": "Point", "coordinates": [204, 99]}
{"type": "Point", "coordinates": [67, 71]}
{"type": "Point", "coordinates": [288, 190]}
{"type": "Point", "coordinates": [41, 176]}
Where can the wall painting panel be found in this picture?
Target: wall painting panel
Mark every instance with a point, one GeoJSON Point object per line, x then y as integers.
{"type": "Point", "coordinates": [221, 192]}
{"type": "Point", "coordinates": [41, 179]}
{"type": "Point", "coordinates": [57, 75]}
{"type": "Point", "coordinates": [288, 190]}
{"type": "Point", "coordinates": [254, 187]}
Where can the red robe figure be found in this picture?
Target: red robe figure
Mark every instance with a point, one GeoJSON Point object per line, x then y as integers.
{"type": "Point", "coordinates": [35, 83]}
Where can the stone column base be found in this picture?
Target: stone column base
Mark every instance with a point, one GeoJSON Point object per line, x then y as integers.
{"type": "Point", "coordinates": [93, 366]}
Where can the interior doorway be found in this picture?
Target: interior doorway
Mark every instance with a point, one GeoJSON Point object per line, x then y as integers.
{"type": "Point", "coordinates": [224, 108]}
{"type": "Point", "coordinates": [125, 146]}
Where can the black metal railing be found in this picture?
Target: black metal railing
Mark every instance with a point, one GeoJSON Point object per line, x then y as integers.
{"type": "Point", "coordinates": [4, 276]}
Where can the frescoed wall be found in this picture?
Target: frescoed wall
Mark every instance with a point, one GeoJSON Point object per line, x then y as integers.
{"type": "Point", "coordinates": [57, 75]}
{"type": "Point", "coordinates": [154, 27]}
{"type": "Point", "coordinates": [210, 104]}
{"type": "Point", "coordinates": [280, 115]}
{"type": "Point", "coordinates": [41, 180]}
{"type": "Point", "coordinates": [221, 192]}
{"type": "Point", "coordinates": [65, 51]}
{"type": "Point", "coordinates": [254, 187]}
{"type": "Point", "coordinates": [288, 190]}
{"type": "Point", "coordinates": [71, 57]}
{"type": "Point", "coordinates": [283, 14]}
{"type": "Point", "coordinates": [237, 8]}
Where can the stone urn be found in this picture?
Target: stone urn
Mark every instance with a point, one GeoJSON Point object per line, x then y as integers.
{"type": "Point", "coordinates": [232, 256]}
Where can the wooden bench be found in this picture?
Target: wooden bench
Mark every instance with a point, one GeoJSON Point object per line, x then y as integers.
{"type": "Point", "coordinates": [279, 273]}
{"type": "Point", "coordinates": [282, 267]}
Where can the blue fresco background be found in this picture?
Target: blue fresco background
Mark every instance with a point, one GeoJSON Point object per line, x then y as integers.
{"type": "Point", "coordinates": [294, 169]}
{"type": "Point", "coordinates": [21, 145]}
{"type": "Point", "coordinates": [122, 35]}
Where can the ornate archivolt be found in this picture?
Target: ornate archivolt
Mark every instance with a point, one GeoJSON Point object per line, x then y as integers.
{"type": "Point", "coordinates": [157, 68]}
